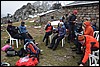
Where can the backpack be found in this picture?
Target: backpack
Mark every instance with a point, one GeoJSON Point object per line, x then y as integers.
{"type": "Point", "coordinates": [26, 61]}
{"type": "Point", "coordinates": [10, 52]}
{"type": "Point", "coordinates": [32, 49]}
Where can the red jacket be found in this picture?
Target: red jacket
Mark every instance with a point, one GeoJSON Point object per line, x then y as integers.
{"type": "Point", "coordinates": [88, 30]}
{"type": "Point", "coordinates": [87, 44]}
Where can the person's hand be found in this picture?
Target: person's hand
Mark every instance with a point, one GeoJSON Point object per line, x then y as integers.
{"type": "Point", "coordinates": [58, 34]}
{"type": "Point", "coordinates": [74, 21]}
{"type": "Point", "coordinates": [81, 65]}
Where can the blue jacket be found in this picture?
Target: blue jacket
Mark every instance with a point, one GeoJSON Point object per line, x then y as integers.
{"type": "Point", "coordinates": [62, 30]}
{"type": "Point", "coordinates": [22, 29]}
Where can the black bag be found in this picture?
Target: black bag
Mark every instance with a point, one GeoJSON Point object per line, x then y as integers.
{"type": "Point", "coordinates": [11, 52]}
{"type": "Point", "coordinates": [22, 52]}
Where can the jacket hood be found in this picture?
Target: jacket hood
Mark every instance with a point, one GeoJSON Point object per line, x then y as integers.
{"type": "Point", "coordinates": [87, 23]}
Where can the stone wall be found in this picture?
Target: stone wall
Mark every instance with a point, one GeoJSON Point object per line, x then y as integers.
{"type": "Point", "coordinates": [47, 17]}
{"type": "Point", "coordinates": [84, 11]}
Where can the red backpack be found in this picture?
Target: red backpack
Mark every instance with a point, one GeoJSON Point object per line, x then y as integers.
{"type": "Point", "coordinates": [27, 61]}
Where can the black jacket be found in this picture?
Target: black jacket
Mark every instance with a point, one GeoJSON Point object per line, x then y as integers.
{"type": "Point", "coordinates": [71, 19]}
{"type": "Point", "coordinates": [13, 30]}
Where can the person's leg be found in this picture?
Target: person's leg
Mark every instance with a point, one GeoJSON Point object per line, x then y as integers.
{"type": "Point", "coordinates": [30, 36]}
{"type": "Point", "coordinates": [79, 51]}
{"type": "Point", "coordinates": [75, 45]}
{"type": "Point", "coordinates": [79, 62]}
{"type": "Point", "coordinates": [18, 36]}
{"type": "Point", "coordinates": [72, 33]}
{"type": "Point", "coordinates": [57, 42]}
{"type": "Point", "coordinates": [47, 37]}
{"type": "Point", "coordinates": [44, 37]}
{"type": "Point", "coordinates": [69, 35]}
{"type": "Point", "coordinates": [25, 36]}
{"type": "Point", "coordinates": [53, 41]}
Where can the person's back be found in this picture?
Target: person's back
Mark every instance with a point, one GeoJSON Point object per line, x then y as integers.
{"type": "Point", "coordinates": [90, 39]}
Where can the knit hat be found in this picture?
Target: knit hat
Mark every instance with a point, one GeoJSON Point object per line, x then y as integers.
{"type": "Point", "coordinates": [75, 11]}
{"type": "Point", "coordinates": [81, 37]}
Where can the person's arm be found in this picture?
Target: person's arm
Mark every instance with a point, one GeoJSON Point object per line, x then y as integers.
{"type": "Point", "coordinates": [64, 30]}
{"type": "Point", "coordinates": [14, 29]}
{"type": "Point", "coordinates": [46, 27]}
{"type": "Point", "coordinates": [20, 29]}
{"type": "Point", "coordinates": [87, 31]}
{"type": "Point", "coordinates": [87, 52]}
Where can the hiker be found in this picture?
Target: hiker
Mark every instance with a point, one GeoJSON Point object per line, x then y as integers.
{"type": "Point", "coordinates": [87, 29]}
{"type": "Point", "coordinates": [48, 32]}
{"type": "Point", "coordinates": [78, 31]}
{"type": "Point", "coordinates": [71, 26]}
{"type": "Point", "coordinates": [13, 31]}
{"type": "Point", "coordinates": [24, 32]}
{"type": "Point", "coordinates": [61, 31]}
{"type": "Point", "coordinates": [89, 44]}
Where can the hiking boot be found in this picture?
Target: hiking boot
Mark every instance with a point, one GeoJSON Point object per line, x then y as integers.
{"type": "Point", "coordinates": [53, 49]}
{"type": "Point", "coordinates": [50, 47]}
{"type": "Point", "coordinates": [46, 44]}
{"type": "Point", "coordinates": [79, 52]}
{"type": "Point", "coordinates": [79, 62]}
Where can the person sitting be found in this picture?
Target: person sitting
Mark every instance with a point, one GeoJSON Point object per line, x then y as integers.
{"type": "Point", "coordinates": [13, 31]}
{"type": "Point", "coordinates": [48, 32]}
{"type": "Point", "coordinates": [24, 32]}
{"type": "Point", "coordinates": [59, 36]}
{"type": "Point", "coordinates": [89, 44]}
{"type": "Point", "coordinates": [87, 29]}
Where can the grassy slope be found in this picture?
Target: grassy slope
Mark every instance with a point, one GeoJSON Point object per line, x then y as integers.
{"type": "Point", "coordinates": [48, 57]}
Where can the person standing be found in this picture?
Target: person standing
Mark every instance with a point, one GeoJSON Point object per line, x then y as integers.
{"type": "Point", "coordinates": [71, 25]}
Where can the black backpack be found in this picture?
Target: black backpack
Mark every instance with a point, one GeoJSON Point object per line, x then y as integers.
{"type": "Point", "coordinates": [11, 52]}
